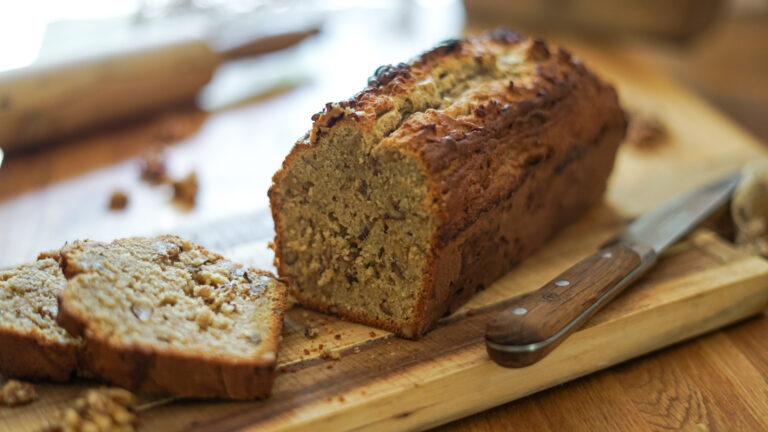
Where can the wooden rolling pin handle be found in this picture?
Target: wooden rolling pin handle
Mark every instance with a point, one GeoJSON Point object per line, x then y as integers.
{"type": "Point", "coordinates": [535, 323]}
{"type": "Point", "coordinates": [265, 44]}
{"type": "Point", "coordinates": [43, 104]}
{"type": "Point", "coordinates": [47, 103]}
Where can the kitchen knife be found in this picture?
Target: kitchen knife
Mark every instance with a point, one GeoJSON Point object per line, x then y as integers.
{"type": "Point", "coordinates": [534, 324]}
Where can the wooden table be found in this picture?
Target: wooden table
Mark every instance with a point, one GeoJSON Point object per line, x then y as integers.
{"type": "Point", "coordinates": [61, 193]}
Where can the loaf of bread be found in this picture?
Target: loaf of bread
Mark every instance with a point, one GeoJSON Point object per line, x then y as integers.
{"type": "Point", "coordinates": [427, 186]}
{"type": "Point", "coordinates": [164, 315]}
{"type": "Point", "coordinates": [32, 344]}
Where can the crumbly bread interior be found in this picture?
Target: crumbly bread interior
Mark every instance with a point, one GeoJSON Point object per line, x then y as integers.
{"type": "Point", "coordinates": [165, 293]}
{"type": "Point", "coordinates": [356, 213]}
{"type": "Point", "coordinates": [357, 231]}
{"type": "Point", "coordinates": [28, 304]}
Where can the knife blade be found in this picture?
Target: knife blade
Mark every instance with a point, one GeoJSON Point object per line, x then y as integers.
{"type": "Point", "coordinates": [533, 324]}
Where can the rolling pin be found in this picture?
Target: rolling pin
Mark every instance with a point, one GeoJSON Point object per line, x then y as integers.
{"type": "Point", "coordinates": [41, 104]}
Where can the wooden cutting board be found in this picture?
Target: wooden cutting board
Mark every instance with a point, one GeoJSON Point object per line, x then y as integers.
{"type": "Point", "coordinates": [384, 383]}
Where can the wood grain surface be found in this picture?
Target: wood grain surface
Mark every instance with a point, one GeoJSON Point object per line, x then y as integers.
{"type": "Point", "coordinates": [354, 377]}
{"type": "Point", "coordinates": [717, 382]}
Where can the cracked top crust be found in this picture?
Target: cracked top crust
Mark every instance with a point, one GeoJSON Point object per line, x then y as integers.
{"type": "Point", "coordinates": [476, 114]}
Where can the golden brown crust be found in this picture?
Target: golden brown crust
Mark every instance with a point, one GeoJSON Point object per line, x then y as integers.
{"type": "Point", "coordinates": [168, 372]}
{"type": "Point", "coordinates": [145, 368]}
{"type": "Point", "coordinates": [28, 357]}
{"type": "Point", "coordinates": [392, 80]}
{"type": "Point", "coordinates": [515, 159]}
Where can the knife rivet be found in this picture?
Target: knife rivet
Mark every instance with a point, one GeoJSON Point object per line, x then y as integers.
{"type": "Point", "coordinates": [519, 311]}
{"type": "Point", "coordinates": [606, 254]}
{"type": "Point", "coordinates": [562, 283]}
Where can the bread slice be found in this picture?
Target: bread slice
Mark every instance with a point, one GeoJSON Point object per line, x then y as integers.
{"type": "Point", "coordinates": [32, 344]}
{"type": "Point", "coordinates": [164, 315]}
{"type": "Point", "coordinates": [432, 182]}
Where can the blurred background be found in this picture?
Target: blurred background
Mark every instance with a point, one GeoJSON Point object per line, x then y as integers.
{"type": "Point", "coordinates": [136, 117]}
{"type": "Point", "coordinates": [718, 47]}
{"type": "Point", "coordinates": [213, 93]}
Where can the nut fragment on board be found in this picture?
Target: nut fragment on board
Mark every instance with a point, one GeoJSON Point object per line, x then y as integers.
{"type": "Point", "coordinates": [14, 393]}
{"type": "Point", "coordinates": [153, 167]}
{"type": "Point", "coordinates": [645, 131]}
{"type": "Point", "coordinates": [97, 410]}
{"type": "Point", "coordinates": [749, 208]}
{"type": "Point", "coordinates": [118, 200]}
{"type": "Point", "coordinates": [185, 191]}
{"type": "Point", "coordinates": [311, 331]}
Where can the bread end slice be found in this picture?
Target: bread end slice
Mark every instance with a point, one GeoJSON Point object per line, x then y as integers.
{"type": "Point", "coordinates": [33, 344]}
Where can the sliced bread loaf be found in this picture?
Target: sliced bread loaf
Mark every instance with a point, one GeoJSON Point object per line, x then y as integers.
{"type": "Point", "coordinates": [32, 344]}
{"type": "Point", "coordinates": [164, 315]}
{"type": "Point", "coordinates": [405, 200]}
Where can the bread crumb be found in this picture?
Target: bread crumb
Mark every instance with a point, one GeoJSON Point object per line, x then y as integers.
{"type": "Point", "coordinates": [311, 331]}
{"type": "Point", "coordinates": [328, 354]}
{"type": "Point", "coordinates": [15, 393]}
{"type": "Point", "coordinates": [118, 200]}
{"type": "Point", "coordinates": [153, 167]}
{"type": "Point", "coordinates": [645, 132]}
{"type": "Point", "coordinates": [101, 410]}
{"type": "Point", "coordinates": [341, 399]}
{"type": "Point", "coordinates": [185, 191]}
{"type": "Point", "coordinates": [329, 366]}
{"type": "Point", "coordinates": [372, 334]}
{"type": "Point", "coordinates": [337, 336]}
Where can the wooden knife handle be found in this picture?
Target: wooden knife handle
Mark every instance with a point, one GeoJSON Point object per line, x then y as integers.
{"type": "Point", "coordinates": [535, 323]}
